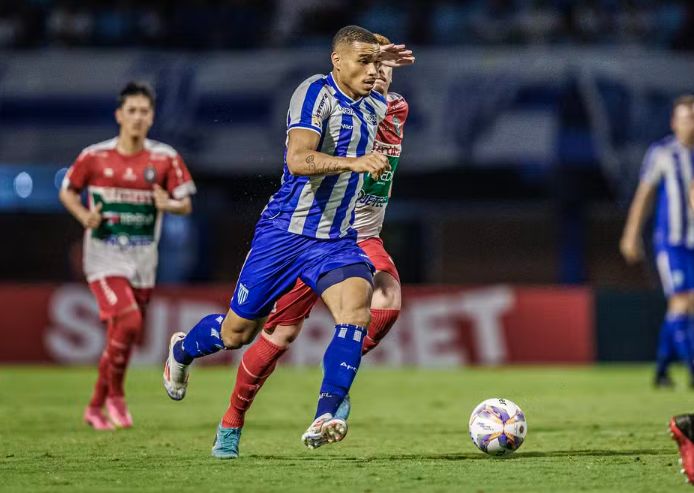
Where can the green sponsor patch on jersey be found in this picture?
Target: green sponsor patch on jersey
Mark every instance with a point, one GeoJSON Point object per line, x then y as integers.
{"type": "Point", "coordinates": [377, 192]}
{"type": "Point", "coordinates": [128, 222]}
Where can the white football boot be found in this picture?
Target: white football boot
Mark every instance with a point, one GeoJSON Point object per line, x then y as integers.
{"type": "Point", "coordinates": [324, 429]}
{"type": "Point", "coordinates": [175, 376]}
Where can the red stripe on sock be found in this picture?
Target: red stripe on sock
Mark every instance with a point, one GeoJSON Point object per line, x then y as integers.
{"type": "Point", "coordinates": [256, 366]}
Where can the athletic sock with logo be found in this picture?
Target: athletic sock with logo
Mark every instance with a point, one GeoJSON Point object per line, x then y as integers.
{"type": "Point", "coordinates": [340, 364]}
{"type": "Point", "coordinates": [256, 365]}
{"type": "Point", "coordinates": [203, 339]}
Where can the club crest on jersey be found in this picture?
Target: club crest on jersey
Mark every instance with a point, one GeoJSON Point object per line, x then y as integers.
{"type": "Point", "coordinates": [150, 174]}
{"type": "Point", "coordinates": [108, 172]}
{"type": "Point", "coordinates": [371, 118]}
{"type": "Point", "coordinates": [242, 294]}
{"type": "Point", "coordinates": [129, 175]}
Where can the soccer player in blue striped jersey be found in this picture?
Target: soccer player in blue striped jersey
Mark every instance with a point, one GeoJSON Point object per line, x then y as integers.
{"type": "Point", "coordinates": [306, 231]}
{"type": "Point", "coordinates": [666, 179]}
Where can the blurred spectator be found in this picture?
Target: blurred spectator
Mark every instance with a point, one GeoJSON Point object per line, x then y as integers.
{"type": "Point", "coordinates": [221, 24]}
{"type": "Point", "coordinates": [69, 23]}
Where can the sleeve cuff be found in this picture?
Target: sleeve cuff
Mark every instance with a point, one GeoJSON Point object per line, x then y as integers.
{"type": "Point", "coordinates": [184, 190]}
{"type": "Point", "coordinates": [307, 126]}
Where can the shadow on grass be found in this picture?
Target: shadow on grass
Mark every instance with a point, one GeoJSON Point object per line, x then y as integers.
{"type": "Point", "coordinates": [469, 456]}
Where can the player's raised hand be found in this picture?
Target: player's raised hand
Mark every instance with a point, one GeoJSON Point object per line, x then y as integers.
{"type": "Point", "coordinates": [393, 55]}
{"type": "Point", "coordinates": [92, 219]}
{"type": "Point", "coordinates": [632, 249]}
{"type": "Point", "coordinates": [161, 198]}
{"type": "Point", "coordinates": [373, 163]}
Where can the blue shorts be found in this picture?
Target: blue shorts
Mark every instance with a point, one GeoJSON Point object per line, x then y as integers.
{"type": "Point", "coordinates": [676, 269]}
{"type": "Point", "coordinates": [278, 258]}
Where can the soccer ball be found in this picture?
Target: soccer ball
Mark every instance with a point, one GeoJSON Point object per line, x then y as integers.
{"type": "Point", "coordinates": [497, 427]}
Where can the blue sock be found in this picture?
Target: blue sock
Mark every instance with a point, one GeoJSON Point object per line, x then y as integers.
{"type": "Point", "coordinates": [666, 350]}
{"type": "Point", "coordinates": [340, 364]}
{"type": "Point", "coordinates": [682, 340]}
{"type": "Point", "coordinates": [203, 339]}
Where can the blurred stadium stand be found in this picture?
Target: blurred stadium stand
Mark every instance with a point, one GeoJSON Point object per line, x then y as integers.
{"type": "Point", "coordinates": [528, 123]}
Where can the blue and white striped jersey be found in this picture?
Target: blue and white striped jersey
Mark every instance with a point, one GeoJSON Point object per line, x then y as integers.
{"type": "Point", "coordinates": [323, 206]}
{"type": "Point", "coordinates": [668, 165]}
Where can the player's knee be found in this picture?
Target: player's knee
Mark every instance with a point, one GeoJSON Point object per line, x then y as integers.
{"type": "Point", "coordinates": [357, 316]}
{"type": "Point", "coordinates": [282, 335]}
{"type": "Point", "coordinates": [130, 323]}
{"type": "Point", "coordinates": [235, 337]}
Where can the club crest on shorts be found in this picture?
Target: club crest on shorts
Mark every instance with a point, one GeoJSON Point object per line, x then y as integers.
{"type": "Point", "coordinates": [242, 294]}
{"type": "Point", "coordinates": [150, 174]}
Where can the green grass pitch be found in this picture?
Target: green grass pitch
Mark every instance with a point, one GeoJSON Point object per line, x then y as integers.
{"type": "Point", "coordinates": [590, 429]}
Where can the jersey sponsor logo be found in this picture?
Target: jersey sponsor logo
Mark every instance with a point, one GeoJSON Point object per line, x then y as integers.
{"type": "Point", "coordinates": [346, 126]}
{"type": "Point", "coordinates": [392, 150]}
{"type": "Point", "coordinates": [346, 110]}
{"type": "Point", "coordinates": [371, 200]}
{"type": "Point", "coordinates": [316, 119]}
{"type": "Point", "coordinates": [129, 175]}
{"type": "Point", "coordinates": [150, 174]}
{"type": "Point", "coordinates": [108, 172]}
{"type": "Point", "coordinates": [385, 177]}
{"type": "Point", "coordinates": [123, 195]}
{"type": "Point", "coordinates": [397, 126]}
{"type": "Point", "coordinates": [242, 294]}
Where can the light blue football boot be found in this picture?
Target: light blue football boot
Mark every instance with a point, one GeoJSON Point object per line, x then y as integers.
{"type": "Point", "coordinates": [226, 443]}
{"type": "Point", "coordinates": [344, 409]}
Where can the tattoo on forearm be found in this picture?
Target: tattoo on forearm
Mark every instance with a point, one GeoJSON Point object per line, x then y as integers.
{"type": "Point", "coordinates": [326, 166]}
{"type": "Point", "coordinates": [310, 160]}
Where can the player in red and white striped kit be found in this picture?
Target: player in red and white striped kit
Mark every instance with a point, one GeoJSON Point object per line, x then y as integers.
{"type": "Point", "coordinates": [286, 320]}
{"type": "Point", "coordinates": [130, 181]}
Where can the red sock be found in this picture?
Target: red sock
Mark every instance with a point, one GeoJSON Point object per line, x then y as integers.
{"type": "Point", "coordinates": [255, 367]}
{"type": "Point", "coordinates": [126, 329]}
{"type": "Point", "coordinates": [101, 385]}
{"type": "Point", "coordinates": [381, 322]}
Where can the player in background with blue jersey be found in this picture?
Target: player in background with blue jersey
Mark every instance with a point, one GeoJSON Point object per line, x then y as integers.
{"type": "Point", "coordinates": [306, 231]}
{"type": "Point", "coordinates": [666, 179]}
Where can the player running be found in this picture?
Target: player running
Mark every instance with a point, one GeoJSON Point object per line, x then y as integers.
{"type": "Point", "coordinates": [667, 176]}
{"type": "Point", "coordinates": [286, 320]}
{"type": "Point", "coordinates": [130, 180]}
{"type": "Point", "coordinates": [306, 231]}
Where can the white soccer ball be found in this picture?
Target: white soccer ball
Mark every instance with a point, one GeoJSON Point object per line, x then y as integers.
{"type": "Point", "coordinates": [497, 427]}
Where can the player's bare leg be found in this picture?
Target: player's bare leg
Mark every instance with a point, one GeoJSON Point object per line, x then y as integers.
{"type": "Point", "coordinates": [349, 302]}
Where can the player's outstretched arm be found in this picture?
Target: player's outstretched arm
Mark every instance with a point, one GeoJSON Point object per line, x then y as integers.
{"type": "Point", "coordinates": [304, 160]}
{"type": "Point", "coordinates": [631, 244]}
{"type": "Point", "coordinates": [73, 203]}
